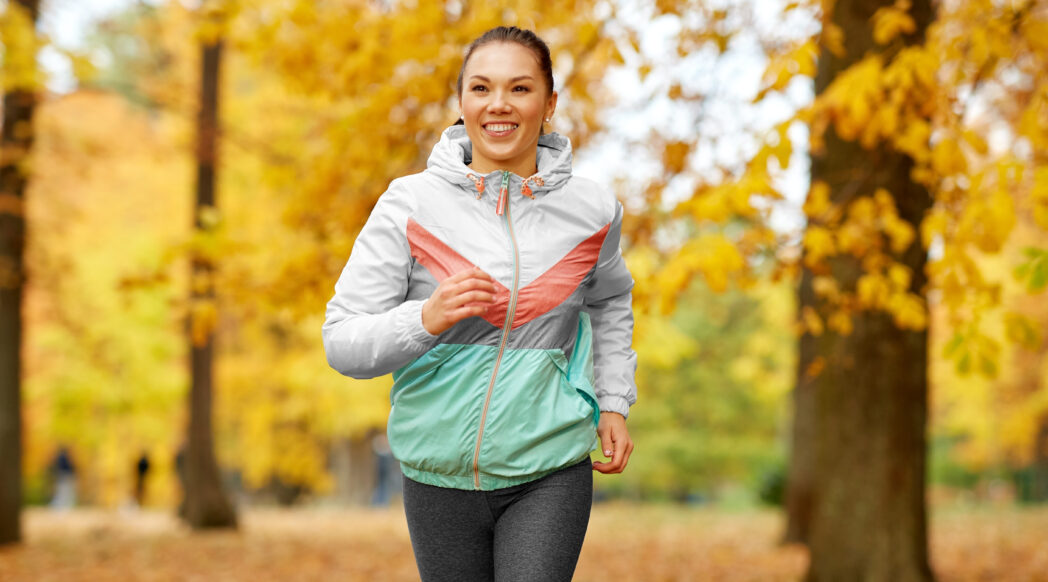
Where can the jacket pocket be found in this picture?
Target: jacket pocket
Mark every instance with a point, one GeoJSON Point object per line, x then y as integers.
{"type": "Point", "coordinates": [436, 402]}
{"type": "Point", "coordinates": [574, 383]}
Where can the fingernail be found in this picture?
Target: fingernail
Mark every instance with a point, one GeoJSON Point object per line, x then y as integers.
{"type": "Point", "coordinates": [607, 452]}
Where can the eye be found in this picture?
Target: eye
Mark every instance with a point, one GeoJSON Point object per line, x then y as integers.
{"type": "Point", "coordinates": [521, 89]}
{"type": "Point", "coordinates": [478, 88]}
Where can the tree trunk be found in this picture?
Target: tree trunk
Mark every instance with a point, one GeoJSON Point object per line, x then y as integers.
{"type": "Point", "coordinates": [206, 503]}
{"type": "Point", "coordinates": [1039, 467]}
{"type": "Point", "coordinates": [800, 483]}
{"type": "Point", "coordinates": [869, 520]}
{"type": "Point", "coordinates": [15, 144]}
{"type": "Point", "coordinates": [353, 465]}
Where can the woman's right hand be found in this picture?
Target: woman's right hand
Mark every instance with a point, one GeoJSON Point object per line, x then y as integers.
{"type": "Point", "coordinates": [464, 294]}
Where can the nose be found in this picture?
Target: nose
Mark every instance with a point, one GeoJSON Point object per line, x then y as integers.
{"type": "Point", "coordinates": [499, 103]}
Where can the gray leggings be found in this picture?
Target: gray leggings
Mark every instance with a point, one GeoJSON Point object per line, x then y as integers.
{"type": "Point", "coordinates": [530, 532]}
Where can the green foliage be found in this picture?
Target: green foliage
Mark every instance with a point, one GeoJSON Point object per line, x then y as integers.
{"type": "Point", "coordinates": [1034, 272]}
{"type": "Point", "coordinates": [716, 418]}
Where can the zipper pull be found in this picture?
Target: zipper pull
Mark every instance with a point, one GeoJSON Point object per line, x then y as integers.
{"type": "Point", "coordinates": [478, 182]}
{"type": "Point", "coordinates": [503, 194]}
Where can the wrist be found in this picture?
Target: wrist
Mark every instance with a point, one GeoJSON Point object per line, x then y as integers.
{"type": "Point", "coordinates": [427, 320]}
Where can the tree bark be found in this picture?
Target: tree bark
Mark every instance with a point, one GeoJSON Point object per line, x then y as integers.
{"type": "Point", "coordinates": [353, 464]}
{"type": "Point", "coordinates": [15, 145]}
{"type": "Point", "coordinates": [206, 503]}
{"type": "Point", "coordinates": [1039, 466]}
{"type": "Point", "coordinates": [800, 482]}
{"type": "Point", "coordinates": [869, 519]}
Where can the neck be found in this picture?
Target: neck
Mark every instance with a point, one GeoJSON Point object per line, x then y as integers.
{"type": "Point", "coordinates": [522, 168]}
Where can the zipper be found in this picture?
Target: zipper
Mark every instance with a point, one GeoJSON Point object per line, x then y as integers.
{"type": "Point", "coordinates": [501, 209]}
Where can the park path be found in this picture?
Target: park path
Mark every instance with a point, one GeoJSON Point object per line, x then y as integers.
{"type": "Point", "coordinates": [643, 543]}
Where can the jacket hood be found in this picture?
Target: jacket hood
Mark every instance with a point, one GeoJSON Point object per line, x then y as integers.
{"type": "Point", "coordinates": [452, 154]}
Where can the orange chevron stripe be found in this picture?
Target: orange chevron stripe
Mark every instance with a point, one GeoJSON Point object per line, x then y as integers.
{"type": "Point", "coordinates": [534, 300]}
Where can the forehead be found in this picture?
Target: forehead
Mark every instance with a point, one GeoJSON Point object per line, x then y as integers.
{"type": "Point", "coordinates": [503, 59]}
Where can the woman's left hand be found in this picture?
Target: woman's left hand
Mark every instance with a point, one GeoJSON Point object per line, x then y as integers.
{"type": "Point", "coordinates": [615, 442]}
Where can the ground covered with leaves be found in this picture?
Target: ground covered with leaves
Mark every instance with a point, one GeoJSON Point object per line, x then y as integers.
{"type": "Point", "coordinates": [625, 542]}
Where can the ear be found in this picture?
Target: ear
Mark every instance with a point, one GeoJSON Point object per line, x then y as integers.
{"type": "Point", "coordinates": [551, 105]}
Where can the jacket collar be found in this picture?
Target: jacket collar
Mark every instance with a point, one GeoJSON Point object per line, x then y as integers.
{"type": "Point", "coordinates": [452, 154]}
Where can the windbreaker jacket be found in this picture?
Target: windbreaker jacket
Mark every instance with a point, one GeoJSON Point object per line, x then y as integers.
{"type": "Point", "coordinates": [516, 394]}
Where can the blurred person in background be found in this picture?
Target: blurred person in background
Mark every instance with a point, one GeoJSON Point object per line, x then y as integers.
{"type": "Point", "coordinates": [141, 472]}
{"type": "Point", "coordinates": [63, 471]}
{"type": "Point", "coordinates": [493, 287]}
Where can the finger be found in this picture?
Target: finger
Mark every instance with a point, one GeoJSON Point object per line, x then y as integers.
{"type": "Point", "coordinates": [479, 298]}
{"type": "Point", "coordinates": [626, 457]}
{"type": "Point", "coordinates": [607, 446]}
{"type": "Point", "coordinates": [457, 315]}
{"type": "Point", "coordinates": [619, 451]}
{"type": "Point", "coordinates": [459, 276]}
{"type": "Point", "coordinates": [470, 273]}
{"type": "Point", "coordinates": [608, 449]}
{"type": "Point", "coordinates": [475, 284]}
{"type": "Point", "coordinates": [481, 274]}
{"type": "Point", "coordinates": [615, 464]}
{"type": "Point", "coordinates": [605, 468]}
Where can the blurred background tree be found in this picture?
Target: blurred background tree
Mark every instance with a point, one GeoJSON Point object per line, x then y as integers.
{"type": "Point", "coordinates": [21, 84]}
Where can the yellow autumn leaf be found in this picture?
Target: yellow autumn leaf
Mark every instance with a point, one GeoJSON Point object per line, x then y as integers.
{"type": "Point", "coordinates": [890, 22]}
{"type": "Point", "coordinates": [1039, 196]}
{"type": "Point", "coordinates": [812, 322]}
{"type": "Point", "coordinates": [913, 140]}
{"type": "Point", "coordinates": [909, 312]}
{"type": "Point", "coordinates": [934, 225]}
{"type": "Point", "coordinates": [873, 290]}
{"type": "Point", "coordinates": [783, 147]}
{"type": "Point", "coordinates": [832, 38]}
{"type": "Point", "coordinates": [712, 204]}
{"type": "Point", "coordinates": [976, 141]}
{"type": "Point", "coordinates": [841, 323]}
{"type": "Point", "coordinates": [1022, 330]}
{"type": "Point", "coordinates": [783, 67]}
{"type": "Point", "coordinates": [947, 158]}
{"type": "Point", "coordinates": [899, 232]}
{"type": "Point", "coordinates": [818, 244]}
{"type": "Point", "coordinates": [900, 276]}
{"type": "Point", "coordinates": [818, 205]}
{"type": "Point", "coordinates": [825, 286]}
{"type": "Point", "coordinates": [675, 156]}
{"type": "Point", "coordinates": [203, 318]}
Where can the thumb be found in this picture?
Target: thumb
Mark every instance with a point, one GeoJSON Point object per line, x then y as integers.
{"type": "Point", "coordinates": [607, 446]}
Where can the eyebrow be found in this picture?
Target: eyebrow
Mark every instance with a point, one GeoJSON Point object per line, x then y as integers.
{"type": "Point", "coordinates": [513, 80]}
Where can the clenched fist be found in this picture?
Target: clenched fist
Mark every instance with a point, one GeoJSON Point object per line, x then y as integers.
{"type": "Point", "coordinates": [464, 294]}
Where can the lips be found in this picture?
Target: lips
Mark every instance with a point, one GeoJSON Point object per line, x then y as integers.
{"type": "Point", "coordinates": [500, 128]}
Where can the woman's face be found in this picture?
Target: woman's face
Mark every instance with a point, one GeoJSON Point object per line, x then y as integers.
{"type": "Point", "coordinates": [504, 101]}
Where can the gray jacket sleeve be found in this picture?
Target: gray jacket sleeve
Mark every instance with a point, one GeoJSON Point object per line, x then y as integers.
{"type": "Point", "coordinates": [609, 304]}
{"type": "Point", "coordinates": [369, 328]}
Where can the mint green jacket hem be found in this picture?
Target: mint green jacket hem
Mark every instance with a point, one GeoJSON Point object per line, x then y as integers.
{"type": "Point", "coordinates": [487, 482]}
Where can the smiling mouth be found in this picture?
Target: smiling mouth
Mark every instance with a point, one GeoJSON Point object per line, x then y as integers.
{"type": "Point", "coordinates": [500, 129]}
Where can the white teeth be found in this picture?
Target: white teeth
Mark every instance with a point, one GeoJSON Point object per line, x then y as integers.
{"type": "Point", "coordinates": [498, 127]}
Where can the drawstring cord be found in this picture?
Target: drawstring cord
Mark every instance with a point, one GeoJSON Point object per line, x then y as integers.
{"type": "Point", "coordinates": [503, 193]}
{"type": "Point", "coordinates": [525, 189]}
{"type": "Point", "coordinates": [478, 182]}
{"type": "Point", "coordinates": [535, 179]}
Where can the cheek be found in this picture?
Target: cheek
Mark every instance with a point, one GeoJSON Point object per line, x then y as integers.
{"type": "Point", "coordinates": [536, 109]}
{"type": "Point", "coordinates": [471, 111]}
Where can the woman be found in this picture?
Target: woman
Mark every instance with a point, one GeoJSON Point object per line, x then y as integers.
{"type": "Point", "coordinates": [493, 287]}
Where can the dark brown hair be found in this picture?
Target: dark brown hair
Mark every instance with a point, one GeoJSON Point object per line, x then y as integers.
{"type": "Point", "coordinates": [524, 38]}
